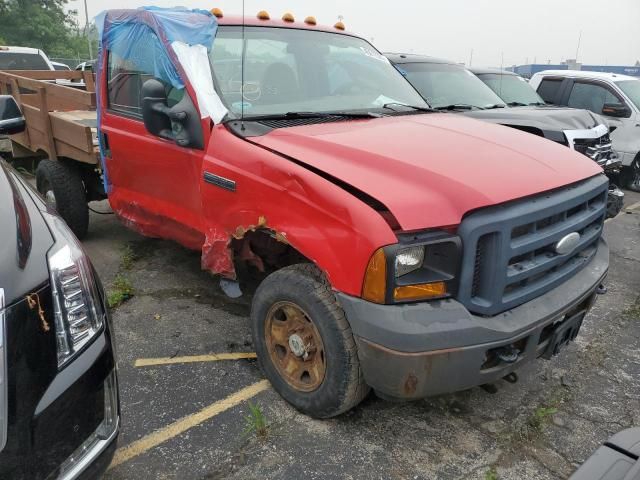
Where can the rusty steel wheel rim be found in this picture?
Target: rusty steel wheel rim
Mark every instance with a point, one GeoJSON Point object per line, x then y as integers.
{"type": "Point", "coordinates": [295, 346]}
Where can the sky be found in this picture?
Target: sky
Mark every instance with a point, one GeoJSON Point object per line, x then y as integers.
{"type": "Point", "coordinates": [481, 31]}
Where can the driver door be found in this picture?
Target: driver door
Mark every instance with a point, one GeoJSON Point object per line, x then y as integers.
{"type": "Point", "coordinates": [153, 181]}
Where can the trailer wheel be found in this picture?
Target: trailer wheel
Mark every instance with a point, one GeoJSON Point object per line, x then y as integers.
{"type": "Point", "coordinates": [304, 342]}
{"type": "Point", "coordinates": [62, 187]}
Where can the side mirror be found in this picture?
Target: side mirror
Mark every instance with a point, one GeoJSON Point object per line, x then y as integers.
{"type": "Point", "coordinates": [155, 112]}
{"type": "Point", "coordinates": [180, 123]}
{"type": "Point", "coordinates": [617, 110]}
{"type": "Point", "coordinates": [11, 118]}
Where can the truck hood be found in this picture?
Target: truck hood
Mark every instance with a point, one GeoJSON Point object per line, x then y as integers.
{"type": "Point", "coordinates": [429, 170]}
{"type": "Point", "coordinates": [544, 118]}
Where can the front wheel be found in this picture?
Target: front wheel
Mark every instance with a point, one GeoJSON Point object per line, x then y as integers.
{"type": "Point", "coordinates": [304, 342]}
{"type": "Point", "coordinates": [630, 176]}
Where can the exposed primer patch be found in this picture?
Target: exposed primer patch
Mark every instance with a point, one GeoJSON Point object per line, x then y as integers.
{"type": "Point", "coordinates": [241, 231]}
{"type": "Point", "coordinates": [33, 299]}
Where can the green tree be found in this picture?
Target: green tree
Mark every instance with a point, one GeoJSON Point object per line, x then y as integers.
{"type": "Point", "coordinates": [43, 24]}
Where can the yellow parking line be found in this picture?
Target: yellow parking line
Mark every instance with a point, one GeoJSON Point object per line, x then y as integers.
{"type": "Point", "coordinates": [214, 357]}
{"type": "Point", "coordinates": [180, 426]}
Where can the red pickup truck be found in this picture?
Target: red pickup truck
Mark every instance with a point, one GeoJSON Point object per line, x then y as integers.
{"type": "Point", "coordinates": [404, 250]}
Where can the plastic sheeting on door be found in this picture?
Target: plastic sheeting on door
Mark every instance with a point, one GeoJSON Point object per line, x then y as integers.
{"type": "Point", "coordinates": [172, 44]}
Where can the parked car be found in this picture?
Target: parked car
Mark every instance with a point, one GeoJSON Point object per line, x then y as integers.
{"type": "Point", "coordinates": [60, 66]}
{"type": "Point", "coordinates": [448, 86]}
{"type": "Point", "coordinates": [617, 97]}
{"type": "Point", "coordinates": [59, 407]}
{"type": "Point", "coordinates": [23, 58]}
{"type": "Point", "coordinates": [403, 250]}
{"type": "Point", "coordinates": [617, 459]}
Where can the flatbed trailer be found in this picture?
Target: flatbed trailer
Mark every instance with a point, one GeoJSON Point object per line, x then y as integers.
{"type": "Point", "coordinates": [59, 108]}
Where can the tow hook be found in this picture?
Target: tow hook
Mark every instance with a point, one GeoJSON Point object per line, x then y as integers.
{"type": "Point", "coordinates": [508, 354]}
{"type": "Point", "coordinates": [601, 290]}
{"type": "Point", "coordinates": [511, 377]}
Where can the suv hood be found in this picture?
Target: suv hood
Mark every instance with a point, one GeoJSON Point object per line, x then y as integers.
{"type": "Point", "coordinates": [544, 118]}
{"type": "Point", "coordinates": [431, 169]}
{"type": "Point", "coordinates": [25, 239]}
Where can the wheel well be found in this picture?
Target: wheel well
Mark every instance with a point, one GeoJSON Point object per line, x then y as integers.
{"type": "Point", "coordinates": [266, 250]}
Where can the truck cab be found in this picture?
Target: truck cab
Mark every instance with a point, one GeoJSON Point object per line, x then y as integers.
{"type": "Point", "coordinates": [402, 249]}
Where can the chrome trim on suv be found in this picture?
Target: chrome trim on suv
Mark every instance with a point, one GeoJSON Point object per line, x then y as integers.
{"type": "Point", "coordinates": [4, 410]}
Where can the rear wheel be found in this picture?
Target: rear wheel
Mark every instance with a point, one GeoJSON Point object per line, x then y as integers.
{"type": "Point", "coordinates": [630, 176]}
{"type": "Point", "coordinates": [304, 342]}
{"type": "Point", "coordinates": [62, 187]}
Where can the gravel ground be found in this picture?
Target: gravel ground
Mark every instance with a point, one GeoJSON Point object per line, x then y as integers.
{"type": "Point", "coordinates": [540, 428]}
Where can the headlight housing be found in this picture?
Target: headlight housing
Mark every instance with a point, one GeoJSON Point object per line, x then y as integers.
{"type": "Point", "coordinates": [419, 267]}
{"type": "Point", "coordinates": [77, 309]}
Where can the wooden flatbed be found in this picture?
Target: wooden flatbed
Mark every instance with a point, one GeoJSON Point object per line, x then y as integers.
{"type": "Point", "coordinates": [60, 112]}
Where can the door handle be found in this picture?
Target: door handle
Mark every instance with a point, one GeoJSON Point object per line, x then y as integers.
{"type": "Point", "coordinates": [104, 144]}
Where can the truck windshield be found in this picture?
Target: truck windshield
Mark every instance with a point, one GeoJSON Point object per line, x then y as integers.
{"type": "Point", "coordinates": [288, 70]}
{"type": "Point", "coordinates": [512, 89]}
{"type": "Point", "coordinates": [631, 89]}
{"type": "Point", "coordinates": [22, 61]}
{"type": "Point", "coordinates": [445, 85]}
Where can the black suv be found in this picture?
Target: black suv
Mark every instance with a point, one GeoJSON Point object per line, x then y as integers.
{"type": "Point", "coordinates": [451, 87]}
{"type": "Point", "coordinates": [59, 406]}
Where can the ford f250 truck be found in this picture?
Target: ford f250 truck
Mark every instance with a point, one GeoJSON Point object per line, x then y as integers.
{"type": "Point", "coordinates": [404, 250]}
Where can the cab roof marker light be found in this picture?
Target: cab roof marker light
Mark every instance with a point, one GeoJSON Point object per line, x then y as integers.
{"type": "Point", "coordinates": [339, 26]}
{"type": "Point", "coordinates": [310, 20]}
{"type": "Point", "coordinates": [263, 15]}
{"type": "Point", "coordinates": [216, 12]}
{"type": "Point", "coordinates": [288, 17]}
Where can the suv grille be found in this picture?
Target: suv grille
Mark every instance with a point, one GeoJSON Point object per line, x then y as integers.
{"type": "Point", "coordinates": [597, 149]}
{"type": "Point", "coordinates": [509, 250]}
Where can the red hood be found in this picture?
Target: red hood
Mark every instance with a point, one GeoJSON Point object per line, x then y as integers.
{"type": "Point", "coordinates": [430, 170]}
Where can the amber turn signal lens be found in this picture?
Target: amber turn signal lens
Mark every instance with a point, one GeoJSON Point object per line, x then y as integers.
{"type": "Point", "coordinates": [420, 292]}
{"type": "Point", "coordinates": [288, 17]}
{"type": "Point", "coordinates": [310, 20]}
{"type": "Point", "coordinates": [216, 12]}
{"type": "Point", "coordinates": [339, 26]}
{"type": "Point", "coordinates": [374, 288]}
{"type": "Point", "coordinates": [263, 15]}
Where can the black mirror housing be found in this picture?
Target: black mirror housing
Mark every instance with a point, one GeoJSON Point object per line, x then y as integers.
{"type": "Point", "coordinates": [180, 123]}
{"type": "Point", "coordinates": [11, 119]}
{"type": "Point", "coordinates": [616, 110]}
{"type": "Point", "coordinates": [154, 109]}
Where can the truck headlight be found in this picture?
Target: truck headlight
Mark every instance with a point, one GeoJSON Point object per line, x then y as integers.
{"type": "Point", "coordinates": [409, 260]}
{"type": "Point", "coordinates": [77, 310]}
{"type": "Point", "coordinates": [420, 267]}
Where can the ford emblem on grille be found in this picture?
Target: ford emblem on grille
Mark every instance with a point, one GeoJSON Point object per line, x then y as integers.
{"type": "Point", "coordinates": [567, 244]}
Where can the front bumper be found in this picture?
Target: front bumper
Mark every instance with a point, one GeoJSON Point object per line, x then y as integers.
{"type": "Point", "coordinates": [418, 350]}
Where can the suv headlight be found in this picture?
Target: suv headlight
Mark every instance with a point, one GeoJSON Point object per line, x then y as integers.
{"type": "Point", "coordinates": [77, 308]}
{"type": "Point", "coordinates": [420, 267]}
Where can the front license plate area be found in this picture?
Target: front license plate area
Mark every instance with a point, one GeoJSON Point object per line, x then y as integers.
{"type": "Point", "coordinates": [566, 332]}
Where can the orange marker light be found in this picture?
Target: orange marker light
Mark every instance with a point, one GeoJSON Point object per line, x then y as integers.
{"type": "Point", "coordinates": [263, 15]}
{"type": "Point", "coordinates": [310, 21]}
{"type": "Point", "coordinates": [420, 292]}
{"type": "Point", "coordinates": [339, 26]}
{"type": "Point", "coordinates": [374, 288]}
{"type": "Point", "coordinates": [288, 17]}
{"type": "Point", "coordinates": [216, 12]}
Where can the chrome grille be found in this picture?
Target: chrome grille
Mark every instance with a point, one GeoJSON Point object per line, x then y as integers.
{"type": "Point", "coordinates": [509, 255]}
{"type": "Point", "coordinates": [597, 149]}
